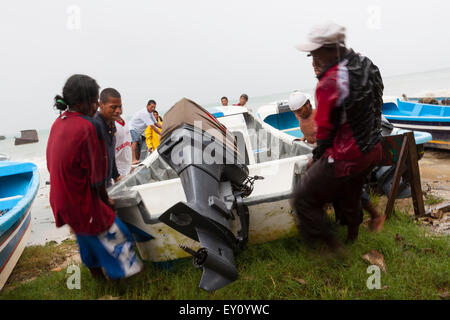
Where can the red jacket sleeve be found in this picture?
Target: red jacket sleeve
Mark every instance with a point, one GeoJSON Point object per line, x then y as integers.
{"type": "Point", "coordinates": [326, 97]}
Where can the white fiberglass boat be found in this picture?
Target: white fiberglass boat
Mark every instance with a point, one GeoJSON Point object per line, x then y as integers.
{"type": "Point", "coordinates": [209, 209]}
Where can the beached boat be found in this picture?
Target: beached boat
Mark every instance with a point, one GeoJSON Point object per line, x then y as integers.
{"type": "Point", "coordinates": [27, 136]}
{"type": "Point", "coordinates": [278, 115]}
{"type": "Point", "coordinates": [19, 185]}
{"type": "Point", "coordinates": [210, 209]}
{"type": "Point", "coordinates": [434, 119]}
{"type": "Point", "coordinates": [430, 99]}
{"type": "Point", "coordinates": [175, 210]}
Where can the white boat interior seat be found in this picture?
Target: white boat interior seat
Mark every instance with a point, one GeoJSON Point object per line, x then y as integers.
{"type": "Point", "coordinates": [279, 176]}
{"type": "Point", "coordinates": [165, 192]}
{"type": "Point", "coordinates": [269, 145]}
{"type": "Point", "coordinates": [7, 203]}
{"type": "Point", "coordinates": [18, 197]}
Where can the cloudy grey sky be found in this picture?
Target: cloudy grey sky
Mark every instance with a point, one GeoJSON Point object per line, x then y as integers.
{"type": "Point", "coordinates": [200, 49]}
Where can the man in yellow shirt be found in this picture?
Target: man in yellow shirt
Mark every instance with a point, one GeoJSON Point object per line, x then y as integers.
{"type": "Point", "coordinates": [152, 138]}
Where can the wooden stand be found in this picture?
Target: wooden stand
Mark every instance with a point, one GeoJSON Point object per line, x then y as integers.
{"type": "Point", "coordinates": [408, 158]}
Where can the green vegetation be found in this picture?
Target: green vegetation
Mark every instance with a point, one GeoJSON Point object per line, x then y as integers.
{"type": "Point", "coordinates": [432, 200]}
{"type": "Point", "coordinates": [418, 267]}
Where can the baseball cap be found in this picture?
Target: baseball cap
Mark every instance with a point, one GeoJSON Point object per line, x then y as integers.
{"type": "Point", "coordinates": [297, 100]}
{"type": "Point", "coordinates": [324, 34]}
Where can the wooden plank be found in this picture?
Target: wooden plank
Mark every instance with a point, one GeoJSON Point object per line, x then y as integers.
{"type": "Point", "coordinates": [397, 175]}
{"type": "Point", "coordinates": [414, 174]}
{"type": "Point", "coordinates": [444, 207]}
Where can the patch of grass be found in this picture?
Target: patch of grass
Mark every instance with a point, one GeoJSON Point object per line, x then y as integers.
{"type": "Point", "coordinates": [375, 198]}
{"type": "Point", "coordinates": [431, 199]}
{"type": "Point", "coordinates": [418, 267]}
{"type": "Point", "coordinates": [38, 260]}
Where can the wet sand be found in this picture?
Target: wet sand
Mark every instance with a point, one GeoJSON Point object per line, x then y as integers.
{"type": "Point", "coordinates": [43, 227]}
{"type": "Point", "coordinates": [435, 179]}
{"type": "Point", "coordinates": [435, 173]}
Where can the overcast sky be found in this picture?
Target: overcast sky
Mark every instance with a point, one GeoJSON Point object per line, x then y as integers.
{"type": "Point", "coordinates": [199, 49]}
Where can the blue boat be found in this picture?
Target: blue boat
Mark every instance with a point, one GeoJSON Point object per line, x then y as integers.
{"type": "Point", "coordinates": [279, 116]}
{"type": "Point", "coordinates": [437, 100]}
{"type": "Point", "coordinates": [19, 183]}
{"type": "Point", "coordinates": [434, 119]}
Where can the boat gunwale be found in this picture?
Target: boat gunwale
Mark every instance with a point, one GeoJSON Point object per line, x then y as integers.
{"type": "Point", "coordinates": [9, 219]}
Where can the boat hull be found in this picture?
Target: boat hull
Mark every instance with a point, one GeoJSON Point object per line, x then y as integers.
{"type": "Point", "coordinates": [268, 221]}
{"type": "Point", "coordinates": [19, 185]}
{"type": "Point", "coordinates": [20, 141]}
{"type": "Point", "coordinates": [434, 119]}
{"type": "Point", "coordinates": [440, 133]}
{"type": "Point", "coordinates": [27, 136]}
{"type": "Point", "coordinates": [12, 247]}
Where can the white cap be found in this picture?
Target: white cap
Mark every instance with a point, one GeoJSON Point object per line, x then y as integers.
{"type": "Point", "coordinates": [297, 100]}
{"type": "Point", "coordinates": [327, 33]}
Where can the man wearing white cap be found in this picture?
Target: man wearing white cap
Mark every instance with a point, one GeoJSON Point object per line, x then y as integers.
{"type": "Point", "coordinates": [305, 114]}
{"type": "Point", "coordinates": [348, 118]}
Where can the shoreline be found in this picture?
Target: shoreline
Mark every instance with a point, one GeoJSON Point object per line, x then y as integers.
{"type": "Point", "coordinates": [43, 228]}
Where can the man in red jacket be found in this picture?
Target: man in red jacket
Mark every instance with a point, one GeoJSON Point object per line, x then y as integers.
{"type": "Point", "coordinates": [348, 119]}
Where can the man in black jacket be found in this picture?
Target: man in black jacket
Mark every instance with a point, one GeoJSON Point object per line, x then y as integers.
{"type": "Point", "coordinates": [348, 119]}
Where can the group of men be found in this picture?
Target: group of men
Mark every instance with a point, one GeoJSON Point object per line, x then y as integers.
{"type": "Point", "coordinates": [123, 142]}
{"type": "Point", "coordinates": [145, 121]}
{"type": "Point", "coordinates": [242, 100]}
{"type": "Point", "coordinates": [90, 146]}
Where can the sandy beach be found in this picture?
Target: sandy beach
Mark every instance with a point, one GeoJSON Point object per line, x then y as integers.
{"type": "Point", "coordinates": [43, 228]}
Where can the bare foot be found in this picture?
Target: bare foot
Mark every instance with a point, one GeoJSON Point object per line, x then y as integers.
{"type": "Point", "coordinates": [376, 224]}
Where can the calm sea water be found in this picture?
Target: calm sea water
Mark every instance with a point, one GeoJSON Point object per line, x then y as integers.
{"type": "Point", "coordinates": [43, 225]}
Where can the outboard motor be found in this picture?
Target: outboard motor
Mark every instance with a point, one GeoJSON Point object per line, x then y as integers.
{"type": "Point", "coordinates": [214, 176]}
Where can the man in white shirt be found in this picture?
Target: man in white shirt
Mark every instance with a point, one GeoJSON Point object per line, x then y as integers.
{"type": "Point", "coordinates": [123, 148]}
{"type": "Point", "coordinates": [140, 121]}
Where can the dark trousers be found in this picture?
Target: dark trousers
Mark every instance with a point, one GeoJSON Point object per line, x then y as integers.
{"type": "Point", "coordinates": [319, 186]}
